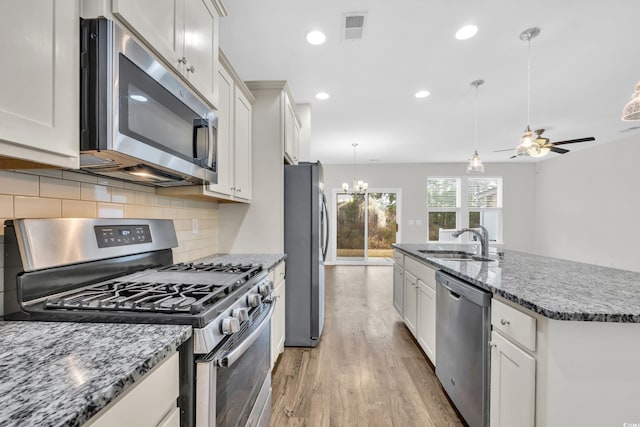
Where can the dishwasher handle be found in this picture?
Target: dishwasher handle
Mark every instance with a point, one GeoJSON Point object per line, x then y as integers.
{"type": "Point", "coordinates": [463, 289]}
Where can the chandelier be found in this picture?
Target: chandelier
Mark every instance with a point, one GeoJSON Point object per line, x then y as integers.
{"type": "Point", "coordinates": [359, 187]}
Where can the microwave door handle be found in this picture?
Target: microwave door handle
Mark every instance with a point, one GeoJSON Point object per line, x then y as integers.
{"type": "Point", "coordinates": [230, 358]}
{"type": "Point", "coordinates": [199, 124]}
{"type": "Point", "coordinates": [211, 144]}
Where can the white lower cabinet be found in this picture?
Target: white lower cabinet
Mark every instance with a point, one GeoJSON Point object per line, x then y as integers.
{"type": "Point", "coordinates": [426, 322]}
{"type": "Point", "coordinates": [398, 289]}
{"type": "Point", "coordinates": [277, 276]}
{"type": "Point", "coordinates": [513, 384]}
{"type": "Point", "coordinates": [149, 403]}
{"type": "Point", "coordinates": [410, 301]}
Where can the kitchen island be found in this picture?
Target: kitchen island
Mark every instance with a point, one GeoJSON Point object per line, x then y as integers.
{"type": "Point", "coordinates": [62, 374]}
{"type": "Point", "coordinates": [565, 337]}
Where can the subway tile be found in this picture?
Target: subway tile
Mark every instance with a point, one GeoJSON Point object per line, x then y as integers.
{"type": "Point", "coordinates": [177, 203]}
{"type": "Point", "coordinates": [52, 173]}
{"type": "Point", "coordinates": [110, 210]}
{"type": "Point", "coordinates": [138, 187]}
{"type": "Point", "coordinates": [82, 177]}
{"type": "Point", "coordinates": [115, 183]}
{"type": "Point", "coordinates": [155, 212]}
{"type": "Point", "coordinates": [6, 206]}
{"type": "Point", "coordinates": [20, 184]}
{"type": "Point", "coordinates": [163, 201]}
{"type": "Point", "coordinates": [59, 188]}
{"type": "Point", "coordinates": [134, 211]}
{"type": "Point", "coordinates": [78, 209]}
{"type": "Point", "coordinates": [2, 220]}
{"type": "Point", "coordinates": [169, 213]}
{"type": "Point", "coordinates": [35, 207]}
{"type": "Point", "coordinates": [146, 199]}
{"type": "Point", "coordinates": [98, 193]}
{"type": "Point", "coordinates": [122, 195]}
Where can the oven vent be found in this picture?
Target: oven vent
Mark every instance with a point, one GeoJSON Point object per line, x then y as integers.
{"type": "Point", "coordinates": [353, 25]}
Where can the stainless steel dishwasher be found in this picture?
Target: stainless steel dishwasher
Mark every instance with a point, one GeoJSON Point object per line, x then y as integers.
{"type": "Point", "coordinates": [463, 327]}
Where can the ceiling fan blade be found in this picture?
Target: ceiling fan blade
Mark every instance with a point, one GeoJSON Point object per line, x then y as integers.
{"type": "Point", "coordinates": [506, 149]}
{"type": "Point", "coordinates": [558, 150]}
{"type": "Point", "coordinates": [513, 157]}
{"type": "Point", "coordinates": [573, 141]}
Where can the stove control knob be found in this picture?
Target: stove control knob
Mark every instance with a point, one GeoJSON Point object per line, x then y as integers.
{"type": "Point", "coordinates": [254, 300]}
{"type": "Point", "coordinates": [240, 313]}
{"type": "Point", "coordinates": [265, 289]}
{"type": "Point", "coordinates": [230, 325]}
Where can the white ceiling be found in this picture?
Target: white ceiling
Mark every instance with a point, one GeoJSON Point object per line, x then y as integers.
{"type": "Point", "coordinates": [585, 64]}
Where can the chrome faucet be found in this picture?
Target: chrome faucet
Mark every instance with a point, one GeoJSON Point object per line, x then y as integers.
{"type": "Point", "coordinates": [483, 236]}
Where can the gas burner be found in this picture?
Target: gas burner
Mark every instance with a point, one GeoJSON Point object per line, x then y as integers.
{"type": "Point", "coordinates": [210, 267]}
{"type": "Point", "coordinates": [177, 302]}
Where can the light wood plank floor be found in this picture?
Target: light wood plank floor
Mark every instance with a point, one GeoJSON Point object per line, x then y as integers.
{"type": "Point", "coordinates": [366, 371]}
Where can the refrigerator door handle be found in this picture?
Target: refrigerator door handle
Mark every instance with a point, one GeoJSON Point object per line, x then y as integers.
{"type": "Point", "coordinates": [324, 217]}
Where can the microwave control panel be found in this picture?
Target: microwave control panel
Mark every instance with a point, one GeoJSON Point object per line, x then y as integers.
{"type": "Point", "coordinates": [122, 235]}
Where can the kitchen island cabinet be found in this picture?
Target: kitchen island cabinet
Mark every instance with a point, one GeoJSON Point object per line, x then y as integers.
{"type": "Point", "coordinates": [40, 104]}
{"type": "Point", "coordinates": [564, 340]}
{"type": "Point", "coordinates": [63, 374]}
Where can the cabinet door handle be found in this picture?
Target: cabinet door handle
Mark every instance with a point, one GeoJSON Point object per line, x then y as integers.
{"type": "Point", "coordinates": [504, 322]}
{"type": "Point", "coordinates": [492, 344]}
{"type": "Point", "coordinates": [182, 60]}
{"type": "Point", "coordinates": [238, 189]}
{"type": "Point", "coordinates": [191, 69]}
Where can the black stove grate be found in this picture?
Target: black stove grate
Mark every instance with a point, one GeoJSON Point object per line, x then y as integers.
{"type": "Point", "coordinates": [142, 297]}
{"type": "Point", "coordinates": [211, 267]}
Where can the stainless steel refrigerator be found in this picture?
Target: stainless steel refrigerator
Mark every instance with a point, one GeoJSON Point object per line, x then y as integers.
{"type": "Point", "coordinates": [306, 238]}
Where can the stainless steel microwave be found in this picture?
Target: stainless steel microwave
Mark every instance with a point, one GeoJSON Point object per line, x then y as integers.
{"type": "Point", "coordinates": [138, 122]}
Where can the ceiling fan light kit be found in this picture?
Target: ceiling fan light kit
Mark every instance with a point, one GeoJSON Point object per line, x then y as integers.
{"type": "Point", "coordinates": [475, 164]}
{"type": "Point", "coordinates": [632, 109]}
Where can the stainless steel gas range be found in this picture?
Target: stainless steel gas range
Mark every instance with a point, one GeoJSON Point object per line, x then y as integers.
{"type": "Point", "coordinates": [122, 271]}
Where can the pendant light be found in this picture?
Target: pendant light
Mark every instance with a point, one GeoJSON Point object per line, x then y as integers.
{"type": "Point", "coordinates": [475, 164]}
{"type": "Point", "coordinates": [359, 187]}
{"type": "Point", "coordinates": [632, 109]}
{"type": "Point", "coordinates": [527, 140]}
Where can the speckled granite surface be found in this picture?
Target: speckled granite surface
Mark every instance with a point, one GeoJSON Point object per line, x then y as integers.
{"type": "Point", "coordinates": [555, 288]}
{"type": "Point", "coordinates": [267, 261]}
{"type": "Point", "coordinates": [61, 374]}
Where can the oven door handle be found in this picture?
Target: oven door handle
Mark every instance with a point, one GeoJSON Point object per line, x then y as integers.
{"type": "Point", "coordinates": [230, 358]}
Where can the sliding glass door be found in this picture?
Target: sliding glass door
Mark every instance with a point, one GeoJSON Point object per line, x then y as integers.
{"type": "Point", "coordinates": [366, 226]}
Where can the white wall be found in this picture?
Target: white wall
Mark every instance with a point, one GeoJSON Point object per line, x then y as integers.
{"type": "Point", "coordinates": [518, 206]}
{"type": "Point", "coordinates": [588, 205]}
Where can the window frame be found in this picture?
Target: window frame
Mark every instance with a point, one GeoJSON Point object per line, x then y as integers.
{"type": "Point", "coordinates": [463, 210]}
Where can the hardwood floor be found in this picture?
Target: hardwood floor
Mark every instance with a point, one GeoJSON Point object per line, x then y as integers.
{"type": "Point", "coordinates": [366, 371]}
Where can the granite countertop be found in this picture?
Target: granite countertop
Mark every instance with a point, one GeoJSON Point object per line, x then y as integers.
{"type": "Point", "coordinates": [558, 289]}
{"type": "Point", "coordinates": [61, 374]}
{"type": "Point", "coordinates": [268, 261]}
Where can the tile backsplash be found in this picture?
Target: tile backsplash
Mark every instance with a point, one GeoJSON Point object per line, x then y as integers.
{"type": "Point", "coordinates": [64, 194]}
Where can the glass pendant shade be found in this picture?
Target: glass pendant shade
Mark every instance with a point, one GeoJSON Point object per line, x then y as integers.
{"type": "Point", "coordinates": [538, 151]}
{"type": "Point", "coordinates": [527, 141]}
{"type": "Point", "coordinates": [632, 109]}
{"type": "Point", "coordinates": [475, 164]}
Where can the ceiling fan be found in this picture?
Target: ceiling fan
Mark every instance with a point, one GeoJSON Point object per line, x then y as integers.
{"type": "Point", "coordinates": [542, 146]}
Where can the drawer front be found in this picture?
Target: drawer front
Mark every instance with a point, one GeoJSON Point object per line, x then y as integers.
{"type": "Point", "coordinates": [398, 258]}
{"type": "Point", "coordinates": [421, 271]}
{"type": "Point", "coordinates": [513, 323]}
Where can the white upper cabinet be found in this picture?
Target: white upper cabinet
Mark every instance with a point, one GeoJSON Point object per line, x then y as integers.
{"type": "Point", "coordinates": [291, 133]}
{"type": "Point", "coordinates": [242, 144]}
{"type": "Point", "coordinates": [183, 32]}
{"type": "Point", "coordinates": [39, 105]}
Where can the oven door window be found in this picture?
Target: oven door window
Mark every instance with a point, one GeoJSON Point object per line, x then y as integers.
{"type": "Point", "coordinates": [150, 113]}
{"type": "Point", "coordinates": [238, 386]}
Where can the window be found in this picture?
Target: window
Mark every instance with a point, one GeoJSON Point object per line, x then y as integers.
{"type": "Point", "coordinates": [454, 203]}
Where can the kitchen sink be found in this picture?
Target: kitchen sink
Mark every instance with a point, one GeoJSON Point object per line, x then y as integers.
{"type": "Point", "coordinates": [454, 255]}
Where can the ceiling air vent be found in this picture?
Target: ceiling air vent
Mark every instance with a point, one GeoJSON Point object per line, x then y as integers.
{"type": "Point", "coordinates": [353, 25]}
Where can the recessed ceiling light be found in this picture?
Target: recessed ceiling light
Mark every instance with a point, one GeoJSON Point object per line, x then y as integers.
{"type": "Point", "coordinates": [466, 32]}
{"type": "Point", "coordinates": [316, 37]}
{"type": "Point", "coordinates": [422, 94]}
{"type": "Point", "coordinates": [139, 98]}
{"type": "Point", "coordinates": [322, 95]}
